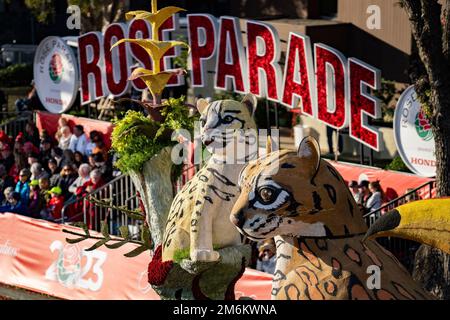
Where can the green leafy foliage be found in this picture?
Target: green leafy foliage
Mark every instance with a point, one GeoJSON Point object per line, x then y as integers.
{"type": "Point", "coordinates": [176, 116]}
{"type": "Point", "coordinates": [137, 138]}
{"type": "Point", "coordinates": [108, 241]}
{"type": "Point", "coordinates": [43, 10]}
{"type": "Point", "coordinates": [397, 164]}
{"type": "Point", "coordinates": [133, 138]}
{"type": "Point", "coordinates": [16, 75]}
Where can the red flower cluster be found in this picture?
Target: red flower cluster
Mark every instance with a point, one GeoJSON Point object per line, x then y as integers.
{"type": "Point", "coordinates": [424, 122]}
{"type": "Point", "coordinates": [157, 269]}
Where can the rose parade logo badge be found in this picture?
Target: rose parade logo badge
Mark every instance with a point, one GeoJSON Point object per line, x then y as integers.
{"type": "Point", "coordinates": [423, 126]}
{"type": "Point", "coordinates": [76, 268]}
{"type": "Point", "coordinates": [68, 266]}
{"type": "Point", "coordinates": [56, 68]}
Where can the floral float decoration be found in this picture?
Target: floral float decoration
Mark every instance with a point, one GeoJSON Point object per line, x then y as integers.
{"type": "Point", "coordinates": [144, 144]}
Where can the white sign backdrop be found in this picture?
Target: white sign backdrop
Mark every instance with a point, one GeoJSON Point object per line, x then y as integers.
{"type": "Point", "coordinates": [55, 74]}
{"type": "Point", "coordinates": [413, 135]}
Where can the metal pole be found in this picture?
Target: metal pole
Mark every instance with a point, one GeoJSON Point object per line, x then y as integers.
{"type": "Point", "coordinates": [371, 158]}
{"type": "Point", "coordinates": [276, 115]}
{"type": "Point", "coordinates": [361, 153]}
{"type": "Point", "coordinates": [268, 116]}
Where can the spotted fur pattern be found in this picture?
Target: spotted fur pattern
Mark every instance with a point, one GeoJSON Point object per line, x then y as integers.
{"type": "Point", "coordinates": [303, 202]}
{"type": "Point", "coordinates": [199, 215]}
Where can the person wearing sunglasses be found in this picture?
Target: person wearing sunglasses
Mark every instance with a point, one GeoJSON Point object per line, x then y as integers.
{"type": "Point", "coordinates": [22, 186]}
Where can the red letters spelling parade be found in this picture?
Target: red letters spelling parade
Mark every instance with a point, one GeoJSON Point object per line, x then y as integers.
{"type": "Point", "coordinates": [319, 79]}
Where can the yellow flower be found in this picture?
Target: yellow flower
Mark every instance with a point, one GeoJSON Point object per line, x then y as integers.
{"type": "Point", "coordinates": [155, 82]}
{"type": "Point", "coordinates": [156, 49]}
{"type": "Point", "coordinates": [155, 19]}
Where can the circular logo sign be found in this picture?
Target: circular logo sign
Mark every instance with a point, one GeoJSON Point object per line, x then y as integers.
{"type": "Point", "coordinates": [55, 75]}
{"type": "Point", "coordinates": [413, 135]}
{"type": "Point", "coordinates": [55, 68]}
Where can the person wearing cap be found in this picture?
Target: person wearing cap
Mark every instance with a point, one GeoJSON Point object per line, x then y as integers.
{"type": "Point", "coordinates": [353, 186]}
{"type": "Point", "coordinates": [365, 194]}
{"type": "Point", "coordinates": [22, 186]}
{"type": "Point", "coordinates": [4, 138]}
{"type": "Point", "coordinates": [14, 205]}
{"type": "Point", "coordinates": [37, 201]}
{"type": "Point", "coordinates": [55, 205]}
{"type": "Point", "coordinates": [44, 187]}
{"type": "Point", "coordinates": [78, 142]}
{"type": "Point", "coordinates": [267, 257]}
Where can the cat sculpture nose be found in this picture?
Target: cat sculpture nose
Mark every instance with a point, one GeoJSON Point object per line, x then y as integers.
{"type": "Point", "coordinates": [238, 219]}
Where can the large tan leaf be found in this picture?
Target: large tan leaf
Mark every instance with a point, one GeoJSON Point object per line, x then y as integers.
{"type": "Point", "coordinates": [155, 82]}
{"type": "Point", "coordinates": [156, 49]}
{"type": "Point", "coordinates": [155, 19]}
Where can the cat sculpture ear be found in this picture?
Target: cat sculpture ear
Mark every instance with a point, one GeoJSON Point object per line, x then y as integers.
{"type": "Point", "coordinates": [202, 104]}
{"type": "Point", "coordinates": [251, 102]}
{"type": "Point", "coordinates": [309, 152]}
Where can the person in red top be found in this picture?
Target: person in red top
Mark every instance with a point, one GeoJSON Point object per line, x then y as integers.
{"type": "Point", "coordinates": [54, 206]}
{"type": "Point", "coordinates": [93, 184]}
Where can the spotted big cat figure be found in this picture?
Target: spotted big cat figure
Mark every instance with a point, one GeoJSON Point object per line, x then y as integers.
{"type": "Point", "coordinates": [324, 248]}
{"type": "Point", "coordinates": [198, 220]}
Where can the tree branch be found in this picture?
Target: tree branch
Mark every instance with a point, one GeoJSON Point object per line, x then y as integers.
{"type": "Point", "coordinates": [425, 17]}
{"type": "Point", "coordinates": [446, 29]}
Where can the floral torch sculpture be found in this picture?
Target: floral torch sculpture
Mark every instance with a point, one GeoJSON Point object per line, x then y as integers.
{"type": "Point", "coordinates": [144, 146]}
{"type": "Point", "coordinates": [152, 178]}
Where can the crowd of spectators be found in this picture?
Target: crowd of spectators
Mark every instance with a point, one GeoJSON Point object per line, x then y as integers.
{"type": "Point", "coordinates": [368, 195]}
{"type": "Point", "coordinates": [40, 173]}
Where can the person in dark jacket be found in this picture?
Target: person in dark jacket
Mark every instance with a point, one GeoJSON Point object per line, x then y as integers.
{"type": "Point", "coordinates": [15, 205]}
{"type": "Point", "coordinates": [5, 181]}
{"type": "Point", "coordinates": [54, 172]}
{"type": "Point", "coordinates": [7, 157]}
{"type": "Point", "coordinates": [103, 166]}
{"type": "Point", "coordinates": [67, 177]}
{"type": "Point", "coordinates": [37, 200]}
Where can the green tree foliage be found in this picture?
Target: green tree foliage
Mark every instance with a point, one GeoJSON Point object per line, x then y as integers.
{"type": "Point", "coordinates": [397, 164]}
{"type": "Point", "coordinates": [16, 75]}
{"type": "Point", "coordinates": [94, 13]}
{"type": "Point", "coordinates": [43, 10]}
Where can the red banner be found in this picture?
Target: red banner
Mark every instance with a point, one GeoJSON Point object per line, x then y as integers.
{"type": "Point", "coordinates": [34, 255]}
{"type": "Point", "coordinates": [395, 184]}
{"type": "Point", "coordinates": [49, 122]}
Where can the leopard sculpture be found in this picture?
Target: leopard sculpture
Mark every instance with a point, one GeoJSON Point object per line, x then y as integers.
{"type": "Point", "coordinates": [198, 220]}
{"type": "Point", "coordinates": [322, 252]}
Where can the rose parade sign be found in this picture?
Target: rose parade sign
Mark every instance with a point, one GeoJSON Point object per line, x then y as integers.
{"type": "Point", "coordinates": [413, 135]}
{"type": "Point", "coordinates": [318, 79]}
{"type": "Point", "coordinates": [55, 75]}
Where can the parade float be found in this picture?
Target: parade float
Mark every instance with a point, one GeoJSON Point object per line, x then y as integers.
{"type": "Point", "coordinates": [145, 144]}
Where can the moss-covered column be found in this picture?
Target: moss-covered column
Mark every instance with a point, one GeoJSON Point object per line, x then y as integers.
{"type": "Point", "coordinates": [154, 185]}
